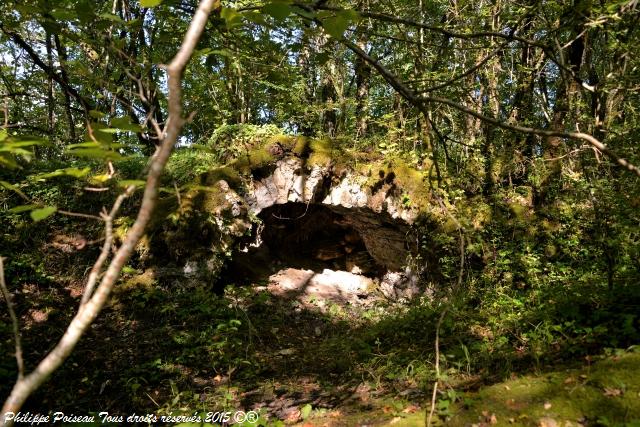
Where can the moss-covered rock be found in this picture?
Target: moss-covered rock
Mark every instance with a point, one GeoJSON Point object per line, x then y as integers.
{"type": "Point", "coordinates": [384, 194]}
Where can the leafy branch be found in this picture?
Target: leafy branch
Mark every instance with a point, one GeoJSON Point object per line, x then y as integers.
{"type": "Point", "coordinates": [90, 309]}
{"type": "Point", "coordinates": [421, 101]}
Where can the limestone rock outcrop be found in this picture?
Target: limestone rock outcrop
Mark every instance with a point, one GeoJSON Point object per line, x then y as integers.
{"type": "Point", "coordinates": [379, 201]}
{"type": "Point", "coordinates": [376, 212]}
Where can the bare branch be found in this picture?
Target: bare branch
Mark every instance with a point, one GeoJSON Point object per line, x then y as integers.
{"type": "Point", "coordinates": [78, 215]}
{"type": "Point", "coordinates": [90, 310]}
{"type": "Point", "coordinates": [468, 72]}
{"type": "Point", "coordinates": [106, 247]}
{"type": "Point", "coordinates": [14, 320]}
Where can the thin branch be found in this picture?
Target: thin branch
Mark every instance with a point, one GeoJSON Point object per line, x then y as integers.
{"type": "Point", "coordinates": [437, 367]}
{"type": "Point", "coordinates": [79, 215]}
{"type": "Point", "coordinates": [577, 150]}
{"type": "Point", "coordinates": [14, 321]}
{"type": "Point", "coordinates": [542, 132]}
{"type": "Point", "coordinates": [106, 247]}
{"type": "Point", "coordinates": [454, 291]}
{"type": "Point", "coordinates": [420, 101]}
{"type": "Point", "coordinates": [469, 71]}
{"type": "Point", "coordinates": [90, 310]}
{"type": "Point", "coordinates": [50, 72]}
{"type": "Point", "coordinates": [511, 36]}
{"type": "Point", "coordinates": [5, 111]}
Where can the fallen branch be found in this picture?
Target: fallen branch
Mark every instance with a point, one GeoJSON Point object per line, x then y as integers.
{"type": "Point", "coordinates": [90, 309]}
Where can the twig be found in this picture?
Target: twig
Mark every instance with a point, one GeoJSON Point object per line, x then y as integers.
{"type": "Point", "coordinates": [14, 320]}
{"type": "Point", "coordinates": [5, 110]}
{"type": "Point", "coordinates": [468, 72]}
{"type": "Point", "coordinates": [79, 215]}
{"type": "Point", "coordinates": [437, 366]}
{"type": "Point", "coordinates": [577, 150]}
{"type": "Point", "coordinates": [175, 187]}
{"type": "Point", "coordinates": [106, 246]}
{"type": "Point", "coordinates": [445, 310]}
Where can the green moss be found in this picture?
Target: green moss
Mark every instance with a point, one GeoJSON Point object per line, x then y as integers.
{"type": "Point", "coordinates": [203, 200]}
{"type": "Point", "coordinates": [286, 141]}
{"type": "Point", "coordinates": [606, 393]}
{"type": "Point", "coordinates": [474, 212]}
{"type": "Point", "coordinates": [411, 181]}
{"type": "Point", "coordinates": [321, 152]}
{"type": "Point", "coordinates": [301, 146]}
{"type": "Point", "coordinates": [226, 173]}
{"type": "Point", "coordinates": [164, 208]}
{"type": "Point", "coordinates": [254, 159]}
{"type": "Point", "coordinates": [145, 280]}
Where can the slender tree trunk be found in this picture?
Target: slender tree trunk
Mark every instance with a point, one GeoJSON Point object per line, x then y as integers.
{"type": "Point", "coordinates": [62, 56]}
{"type": "Point", "coordinates": [363, 82]}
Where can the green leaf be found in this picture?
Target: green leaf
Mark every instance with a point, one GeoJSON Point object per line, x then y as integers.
{"type": "Point", "coordinates": [302, 12]}
{"type": "Point", "coordinates": [124, 123]}
{"type": "Point", "coordinates": [306, 411]}
{"type": "Point", "coordinates": [150, 3]}
{"type": "Point", "coordinates": [26, 143]}
{"type": "Point", "coordinates": [335, 26]}
{"type": "Point", "coordinates": [84, 11]}
{"type": "Point", "coordinates": [100, 179]}
{"type": "Point", "coordinates": [96, 153]}
{"type": "Point", "coordinates": [322, 58]}
{"type": "Point", "coordinates": [278, 10]}
{"type": "Point", "coordinates": [14, 188]}
{"type": "Point", "coordinates": [42, 213]}
{"type": "Point", "coordinates": [124, 183]}
{"type": "Point", "coordinates": [23, 208]}
{"type": "Point", "coordinates": [111, 17]}
{"type": "Point", "coordinates": [63, 14]}
{"type": "Point", "coordinates": [74, 172]}
{"type": "Point", "coordinates": [255, 17]}
{"type": "Point", "coordinates": [222, 52]}
{"type": "Point", "coordinates": [231, 17]}
{"type": "Point", "coordinates": [8, 162]}
{"type": "Point", "coordinates": [15, 150]}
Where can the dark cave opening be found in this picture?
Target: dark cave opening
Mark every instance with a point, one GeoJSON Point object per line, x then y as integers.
{"type": "Point", "coordinates": [296, 235]}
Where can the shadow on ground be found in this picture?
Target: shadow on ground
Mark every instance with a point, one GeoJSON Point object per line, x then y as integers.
{"type": "Point", "coordinates": [164, 346]}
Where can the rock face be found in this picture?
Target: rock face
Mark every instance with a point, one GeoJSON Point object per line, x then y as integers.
{"type": "Point", "coordinates": [312, 205]}
{"type": "Point", "coordinates": [376, 213]}
{"type": "Point", "coordinates": [290, 181]}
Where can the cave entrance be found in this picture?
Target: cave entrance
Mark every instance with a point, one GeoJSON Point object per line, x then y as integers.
{"type": "Point", "coordinates": [296, 235]}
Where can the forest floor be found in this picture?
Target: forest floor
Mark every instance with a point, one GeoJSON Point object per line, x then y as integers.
{"type": "Point", "coordinates": [300, 346]}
